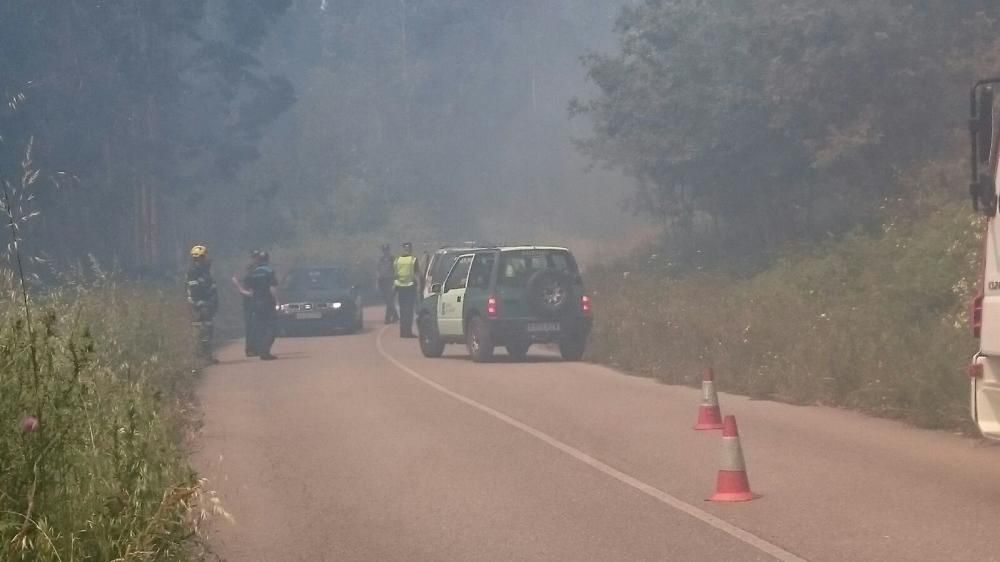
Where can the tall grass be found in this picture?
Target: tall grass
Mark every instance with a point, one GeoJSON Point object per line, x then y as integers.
{"type": "Point", "coordinates": [91, 459]}
{"type": "Point", "coordinates": [875, 322]}
{"type": "Point", "coordinates": [95, 381]}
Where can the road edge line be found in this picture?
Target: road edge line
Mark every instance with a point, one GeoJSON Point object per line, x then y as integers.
{"type": "Point", "coordinates": [738, 533]}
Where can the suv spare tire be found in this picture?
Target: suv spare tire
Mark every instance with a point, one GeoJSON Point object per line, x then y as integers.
{"type": "Point", "coordinates": [548, 292]}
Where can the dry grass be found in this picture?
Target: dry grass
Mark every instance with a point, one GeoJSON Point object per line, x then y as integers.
{"type": "Point", "coordinates": [871, 323]}
{"type": "Point", "coordinates": [102, 474]}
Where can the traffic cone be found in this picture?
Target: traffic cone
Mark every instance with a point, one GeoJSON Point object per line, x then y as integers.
{"type": "Point", "coordinates": [709, 414]}
{"type": "Point", "coordinates": [732, 484]}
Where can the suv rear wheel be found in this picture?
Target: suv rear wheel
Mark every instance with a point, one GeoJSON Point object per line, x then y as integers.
{"type": "Point", "coordinates": [571, 348]}
{"type": "Point", "coordinates": [430, 341]}
{"type": "Point", "coordinates": [478, 340]}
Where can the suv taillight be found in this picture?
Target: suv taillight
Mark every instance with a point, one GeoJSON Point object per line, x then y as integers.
{"type": "Point", "coordinates": [585, 304]}
{"type": "Point", "coordinates": [976, 315]}
{"type": "Point", "coordinates": [491, 307]}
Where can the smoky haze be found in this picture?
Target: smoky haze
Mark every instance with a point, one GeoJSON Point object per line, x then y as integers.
{"type": "Point", "coordinates": [451, 116]}
{"type": "Point", "coordinates": [326, 124]}
{"type": "Point", "coordinates": [286, 121]}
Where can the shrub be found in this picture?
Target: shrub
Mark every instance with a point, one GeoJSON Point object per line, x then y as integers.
{"type": "Point", "coordinates": [872, 322]}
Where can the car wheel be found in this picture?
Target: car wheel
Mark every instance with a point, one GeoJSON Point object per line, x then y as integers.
{"type": "Point", "coordinates": [518, 350]}
{"type": "Point", "coordinates": [430, 341]}
{"type": "Point", "coordinates": [478, 340]}
{"type": "Point", "coordinates": [572, 348]}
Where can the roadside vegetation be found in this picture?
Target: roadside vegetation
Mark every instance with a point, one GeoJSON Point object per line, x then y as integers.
{"type": "Point", "coordinates": [875, 321]}
{"type": "Point", "coordinates": [806, 161]}
{"type": "Point", "coordinates": [95, 408]}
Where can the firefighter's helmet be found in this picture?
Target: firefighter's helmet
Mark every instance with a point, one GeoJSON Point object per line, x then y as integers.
{"type": "Point", "coordinates": [199, 251]}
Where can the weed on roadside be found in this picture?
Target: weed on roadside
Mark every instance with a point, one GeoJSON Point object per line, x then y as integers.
{"type": "Point", "coordinates": [91, 458]}
{"type": "Point", "coordinates": [873, 323]}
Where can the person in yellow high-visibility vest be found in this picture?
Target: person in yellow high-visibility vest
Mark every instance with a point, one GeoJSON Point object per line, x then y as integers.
{"type": "Point", "coordinates": [407, 281]}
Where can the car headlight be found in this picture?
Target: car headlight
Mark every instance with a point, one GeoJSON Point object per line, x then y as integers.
{"type": "Point", "coordinates": [336, 305]}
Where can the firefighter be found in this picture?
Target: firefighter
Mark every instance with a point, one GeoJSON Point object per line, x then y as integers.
{"type": "Point", "coordinates": [204, 299]}
{"type": "Point", "coordinates": [247, 305]}
{"type": "Point", "coordinates": [384, 280]}
{"type": "Point", "coordinates": [407, 277]}
{"type": "Point", "coordinates": [260, 285]}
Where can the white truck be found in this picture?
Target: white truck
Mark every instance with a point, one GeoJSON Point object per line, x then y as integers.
{"type": "Point", "coordinates": [984, 370]}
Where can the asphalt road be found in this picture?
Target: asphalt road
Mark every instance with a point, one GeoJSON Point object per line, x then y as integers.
{"type": "Point", "coordinates": [358, 448]}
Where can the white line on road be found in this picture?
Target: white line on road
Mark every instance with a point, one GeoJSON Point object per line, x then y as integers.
{"type": "Point", "coordinates": [740, 534]}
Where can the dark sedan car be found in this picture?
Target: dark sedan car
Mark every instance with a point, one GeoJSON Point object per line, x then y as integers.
{"type": "Point", "coordinates": [319, 300]}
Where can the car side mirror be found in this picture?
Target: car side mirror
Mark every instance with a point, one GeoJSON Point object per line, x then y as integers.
{"type": "Point", "coordinates": [436, 288]}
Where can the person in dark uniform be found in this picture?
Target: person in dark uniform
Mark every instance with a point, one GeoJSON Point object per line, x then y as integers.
{"type": "Point", "coordinates": [247, 305]}
{"type": "Point", "coordinates": [260, 284]}
{"type": "Point", "coordinates": [407, 277]}
{"type": "Point", "coordinates": [384, 281]}
{"type": "Point", "coordinates": [203, 297]}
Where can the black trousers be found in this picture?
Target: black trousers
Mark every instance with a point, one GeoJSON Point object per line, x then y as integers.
{"type": "Point", "coordinates": [202, 322]}
{"type": "Point", "coordinates": [248, 327]}
{"type": "Point", "coordinates": [407, 300]}
{"type": "Point", "coordinates": [263, 331]}
{"type": "Point", "coordinates": [389, 296]}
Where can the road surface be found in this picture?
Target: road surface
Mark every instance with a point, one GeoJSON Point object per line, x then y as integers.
{"type": "Point", "coordinates": [358, 448]}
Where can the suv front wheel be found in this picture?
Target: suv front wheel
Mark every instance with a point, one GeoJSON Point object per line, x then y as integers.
{"type": "Point", "coordinates": [478, 340]}
{"type": "Point", "coordinates": [430, 341]}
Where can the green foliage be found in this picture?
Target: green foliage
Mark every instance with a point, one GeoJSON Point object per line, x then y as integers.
{"type": "Point", "coordinates": [874, 322]}
{"type": "Point", "coordinates": [732, 114]}
{"type": "Point", "coordinates": [102, 477]}
{"type": "Point", "coordinates": [141, 105]}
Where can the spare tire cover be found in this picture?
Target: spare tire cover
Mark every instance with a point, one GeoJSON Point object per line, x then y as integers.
{"type": "Point", "coordinates": [548, 291]}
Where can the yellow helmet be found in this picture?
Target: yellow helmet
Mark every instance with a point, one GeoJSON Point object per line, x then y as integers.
{"type": "Point", "coordinates": [199, 251]}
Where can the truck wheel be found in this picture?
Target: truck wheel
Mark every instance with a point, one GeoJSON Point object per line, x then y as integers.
{"type": "Point", "coordinates": [430, 341]}
{"type": "Point", "coordinates": [572, 348]}
{"type": "Point", "coordinates": [478, 340]}
{"type": "Point", "coordinates": [518, 350]}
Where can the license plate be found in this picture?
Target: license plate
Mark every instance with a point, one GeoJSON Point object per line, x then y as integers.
{"type": "Point", "coordinates": [543, 327]}
{"type": "Point", "coordinates": [308, 316]}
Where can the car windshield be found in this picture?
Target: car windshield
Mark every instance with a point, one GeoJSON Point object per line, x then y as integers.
{"type": "Point", "coordinates": [442, 265]}
{"type": "Point", "coordinates": [517, 266]}
{"type": "Point", "coordinates": [317, 279]}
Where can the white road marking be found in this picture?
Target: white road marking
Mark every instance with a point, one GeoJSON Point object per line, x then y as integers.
{"type": "Point", "coordinates": [680, 505]}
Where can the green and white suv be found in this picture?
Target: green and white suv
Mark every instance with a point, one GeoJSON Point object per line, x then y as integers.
{"type": "Point", "coordinates": [508, 296]}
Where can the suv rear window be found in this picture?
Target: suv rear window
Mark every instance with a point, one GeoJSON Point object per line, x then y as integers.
{"type": "Point", "coordinates": [517, 266]}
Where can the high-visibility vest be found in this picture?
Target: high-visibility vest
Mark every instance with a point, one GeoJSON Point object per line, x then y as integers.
{"type": "Point", "coordinates": [405, 266]}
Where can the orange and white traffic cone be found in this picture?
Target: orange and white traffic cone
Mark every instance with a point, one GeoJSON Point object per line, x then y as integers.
{"type": "Point", "coordinates": [709, 414]}
{"type": "Point", "coordinates": [732, 484]}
